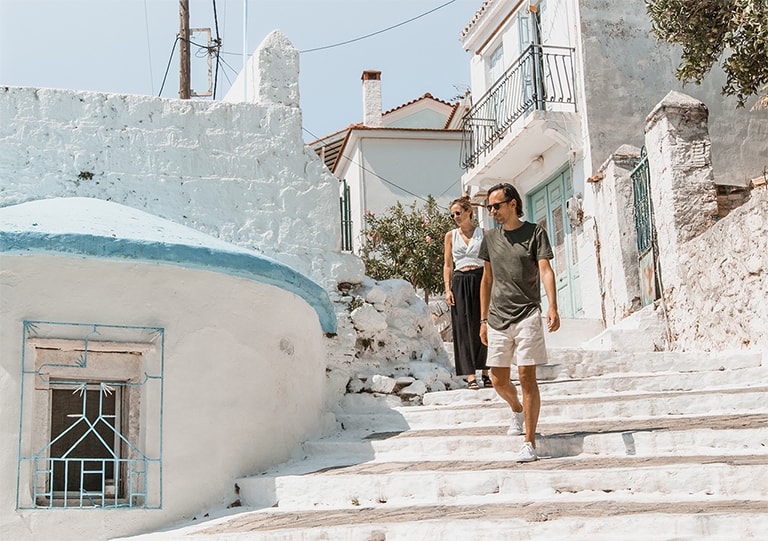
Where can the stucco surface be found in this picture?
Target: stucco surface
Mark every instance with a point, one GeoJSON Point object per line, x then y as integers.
{"type": "Point", "coordinates": [722, 303]}
{"type": "Point", "coordinates": [232, 319]}
{"type": "Point", "coordinates": [626, 72]}
{"type": "Point", "coordinates": [238, 353]}
{"type": "Point", "coordinates": [97, 228]}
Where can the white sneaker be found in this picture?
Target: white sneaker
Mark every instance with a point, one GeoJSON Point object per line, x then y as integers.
{"type": "Point", "coordinates": [527, 453]}
{"type": "Point", "coordinates": [517, 426]}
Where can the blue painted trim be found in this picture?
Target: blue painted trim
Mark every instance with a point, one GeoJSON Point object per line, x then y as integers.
{"type": "Point", "coordinates": [251, 266]}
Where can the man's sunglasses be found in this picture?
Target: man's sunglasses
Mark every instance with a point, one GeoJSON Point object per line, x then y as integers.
{"type": "Point", "coordinates": [496, 206]}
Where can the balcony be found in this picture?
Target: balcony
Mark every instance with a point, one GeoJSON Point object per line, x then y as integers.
{"type": "Point", "coordinates": [540, 81]}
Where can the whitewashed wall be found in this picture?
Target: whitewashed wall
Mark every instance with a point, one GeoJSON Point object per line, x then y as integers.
{"type": "Point", "coordinates": [226, 413]}
{"type": "Point", "coordinates": [725, 271]}
{"type": "Point", "coordinates": [616, 245]}
{"type": "Point", "coordinates": [427, 163]}
{"type": "Point", "coordinates": [626, 72]}
{"type": "Point", "coordinates": [238, 171]}
{"type": "Point", "coordinates": [244, 357]}
{"type": "Point", "coordinates": [713, 273]}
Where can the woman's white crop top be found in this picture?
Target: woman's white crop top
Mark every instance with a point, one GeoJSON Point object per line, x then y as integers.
{"type": "Point", "coordinates": [465, 255]}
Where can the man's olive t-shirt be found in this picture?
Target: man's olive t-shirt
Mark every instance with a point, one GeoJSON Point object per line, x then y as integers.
{"type": "Point", "coordinates": [514, 257]}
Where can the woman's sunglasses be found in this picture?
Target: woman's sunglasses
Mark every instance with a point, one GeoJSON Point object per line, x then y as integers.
{"type": "Point", "coordinates": [496, 206]}
{"type": "Point", "coordinates": [454, 214]}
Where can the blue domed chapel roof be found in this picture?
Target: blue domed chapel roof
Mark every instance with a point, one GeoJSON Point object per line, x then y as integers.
{"type": "Point", "coordinates": [102, 229]}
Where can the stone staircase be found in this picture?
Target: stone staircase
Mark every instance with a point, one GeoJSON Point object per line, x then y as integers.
{"type": "Point", "coordinates": [652, 445]}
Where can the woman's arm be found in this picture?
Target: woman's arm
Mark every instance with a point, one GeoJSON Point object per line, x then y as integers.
{"type": "Point", "coordinates": [448, 267]}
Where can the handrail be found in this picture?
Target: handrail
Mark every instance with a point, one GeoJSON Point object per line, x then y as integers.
{"type": "Point", "coordinates": [542, 74]}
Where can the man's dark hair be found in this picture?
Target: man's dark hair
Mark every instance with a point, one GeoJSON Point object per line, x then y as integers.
{"type": "Point", "coordinates": [510, 193]}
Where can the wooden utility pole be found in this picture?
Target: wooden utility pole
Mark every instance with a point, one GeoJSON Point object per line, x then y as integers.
{"type": "Point", "coordinates": [184, 60]}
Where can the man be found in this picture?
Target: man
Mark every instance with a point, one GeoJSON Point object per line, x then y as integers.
{"type": "Point", "coordinates": [516, 257]}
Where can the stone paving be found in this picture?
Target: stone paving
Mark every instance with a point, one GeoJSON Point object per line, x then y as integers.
{"type": "Point", "coordinates": [661, 458]}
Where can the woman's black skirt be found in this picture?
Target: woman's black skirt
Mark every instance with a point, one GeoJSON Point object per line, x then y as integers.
{"type": "Point", "coordinates": [468, 351]}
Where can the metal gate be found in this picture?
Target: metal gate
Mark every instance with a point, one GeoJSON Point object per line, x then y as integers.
{"type": "Point", "coordinates": [346, 217]}
{"type": "Point", "coordinates": [646, 233]}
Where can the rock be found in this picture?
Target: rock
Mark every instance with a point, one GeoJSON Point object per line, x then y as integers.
{"type": "Point", "coordinates": [355, 385]}
{"type": "Point", "coordinates": [381, 384]}
{"type": "Point", "coordinates": [367, 319]}
{"type": "Point", "coordinates": [414, 390]}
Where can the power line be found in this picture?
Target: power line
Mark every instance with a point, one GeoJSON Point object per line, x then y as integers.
{"type": "Point", "coordinates": [367, 35]}
{"type": "Point", "coordinates": [168, 67]}
{"type": "Point", "coordinates": [379, 31]}
{"type": "Point", "coordinates": [218, 48]}
{"type": "Point", "coordinates": [149, 47]}
{"type": "Point", "coordinates": [375, 174]}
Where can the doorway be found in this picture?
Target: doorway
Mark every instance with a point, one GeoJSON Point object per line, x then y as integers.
{"type": "Point", "coordinates": [547, 205]}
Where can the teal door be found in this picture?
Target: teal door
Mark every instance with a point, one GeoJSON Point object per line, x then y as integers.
{"type": "Point", "coordinates": [547, 205]}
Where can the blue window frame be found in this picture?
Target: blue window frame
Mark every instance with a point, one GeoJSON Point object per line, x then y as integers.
{"type": "Point", "coordinates": [91, 416]}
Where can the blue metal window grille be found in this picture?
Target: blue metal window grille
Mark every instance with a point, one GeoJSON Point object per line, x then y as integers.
{"type": "Point", "coordinates": [91, 416]}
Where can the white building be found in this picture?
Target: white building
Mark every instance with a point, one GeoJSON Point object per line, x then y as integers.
{"type": "Point", "coordinates": [402, 155]}
{"type": "Point", "coordinates": [557, 87]}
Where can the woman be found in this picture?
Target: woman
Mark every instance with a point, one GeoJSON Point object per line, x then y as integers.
{"type": "Point", "coordinates": [462, 273]}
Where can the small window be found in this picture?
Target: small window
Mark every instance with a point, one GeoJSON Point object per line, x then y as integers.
{"type": "Point", "coordinates": [495, 65]}
{"type": "Point", "coordinates": [87, 456]}
{"type": "Point", "coordinates": [91, 417]}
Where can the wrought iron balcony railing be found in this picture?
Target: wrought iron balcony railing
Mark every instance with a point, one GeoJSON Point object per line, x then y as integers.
{"type": "Point", "coordinates": [543, 75]}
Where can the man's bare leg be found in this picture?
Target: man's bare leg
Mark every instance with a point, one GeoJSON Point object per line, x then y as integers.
{"type": "Point", "coordinates": [506, 389]}
{"type": "Point", "coordinates": [531, 400]}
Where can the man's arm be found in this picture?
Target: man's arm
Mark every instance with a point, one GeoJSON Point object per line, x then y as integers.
{"type": "Point", "coordinates": [485, 300]}
{"type": "Point", "coordinates": [548, 279]}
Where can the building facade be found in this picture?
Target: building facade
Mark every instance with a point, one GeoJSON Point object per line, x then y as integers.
{"type": "Point", "coordinates": [401, 155]}
{"type": "Point", "coordinates": [557, 87]}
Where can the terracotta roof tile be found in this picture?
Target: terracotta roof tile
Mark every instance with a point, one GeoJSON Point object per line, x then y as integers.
{"type": "Point", "coordinates": [426, 96]}
{"type": "Point", "coordinates": [479, 13]}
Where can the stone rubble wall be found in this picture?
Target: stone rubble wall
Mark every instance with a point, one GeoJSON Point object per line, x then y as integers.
{"type": "Point", "coordinates": [387, 346]}
{"type": "Point", "coordinates": [237, 171]}
{"type": "Point", "coordinates": [712, 241]}
{"type": "Point", "coordinates": [724, 304]}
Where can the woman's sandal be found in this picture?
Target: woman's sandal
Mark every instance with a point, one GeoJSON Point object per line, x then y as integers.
{"type": "Point", "coordinates": [473, 385]}
{"type": "Point", "coordinates": [487, 381]}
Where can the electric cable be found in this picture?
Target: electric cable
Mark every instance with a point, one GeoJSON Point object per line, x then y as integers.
{"type": "Point", "coordinates": [218, 48]}
{"type": "Point", "coordinates": [375, 174]}
{"type": "Point", "coordinates": [168, 67]}
{"type": "Point", "coordinates": [367, 35]}
{"type": "Point", "coordinates": [149, 47]}
{"type": "Point", "coordinates": [378, 31]}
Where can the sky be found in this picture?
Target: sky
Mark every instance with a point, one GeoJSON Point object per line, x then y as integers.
{"type": "Point", "coordinates": [127, 46]}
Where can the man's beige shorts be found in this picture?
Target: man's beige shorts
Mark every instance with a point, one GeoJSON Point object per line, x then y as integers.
{"type": "Point", "coordinates": [521, 344]}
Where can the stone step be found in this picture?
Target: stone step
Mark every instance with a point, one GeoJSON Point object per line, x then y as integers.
{"type": "Point", "coordinates": [431, 445]}
{"type": "Point", "coordinates": [451, 482]}
{"type": "Point", "coordinates": [704, 435]}
{"type": "Point", "coordinates": [578, 364]}
{"type": "Point", "coordinates": [620, 382]}
{"type": "Point", "coordinates": [598, 519]}
{"type": "Point", "coordinates": [639, 444]}
{"type": "Point", "coordinates": [573, 332]}
{"type": "Point", "coordinates": [562, 409]}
